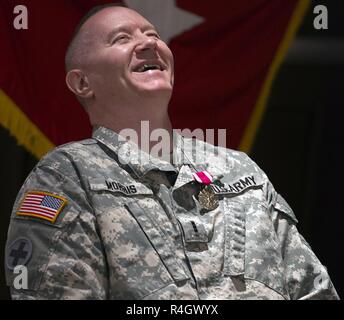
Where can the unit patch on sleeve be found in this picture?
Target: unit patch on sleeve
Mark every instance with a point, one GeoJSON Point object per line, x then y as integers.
{"type": "Point", "coordinates": [41, 205]}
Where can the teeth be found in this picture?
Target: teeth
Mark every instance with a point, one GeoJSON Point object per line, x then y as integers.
{"type": "Point", "coordinates": [146, 67]}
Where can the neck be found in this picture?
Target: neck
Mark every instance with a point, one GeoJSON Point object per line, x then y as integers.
{"type": "Point", "coordinates": [138, 122]}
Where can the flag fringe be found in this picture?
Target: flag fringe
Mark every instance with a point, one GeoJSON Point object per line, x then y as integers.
{"type": "Point", "coordinates": [259, 110]}
{"type": "Point", "coordinates": [20, 126]}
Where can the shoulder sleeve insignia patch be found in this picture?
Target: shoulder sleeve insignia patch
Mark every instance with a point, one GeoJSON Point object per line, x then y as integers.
{"type": "Point", "coordinates": [18, 253]}
{"type": "Point", "coordinates": [42, 205]}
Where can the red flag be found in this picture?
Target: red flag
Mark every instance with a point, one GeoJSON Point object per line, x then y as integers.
{"type": "Point", "coordinates": [224, 66]}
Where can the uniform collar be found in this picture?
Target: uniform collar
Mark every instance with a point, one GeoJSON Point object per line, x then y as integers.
{"type": "Point", "coordinates": [128, 153]}
{"type": "Point", "coordinates": [189, 155]}
{"type": "Point", "coordinates": [193, 155]}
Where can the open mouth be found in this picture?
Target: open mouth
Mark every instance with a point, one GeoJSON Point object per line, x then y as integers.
{"type": "Point", "coordinates": [146, 67]}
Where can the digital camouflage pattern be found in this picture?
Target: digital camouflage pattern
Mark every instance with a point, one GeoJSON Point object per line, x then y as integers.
{"type": "Point", "coordinates": [135, 229]}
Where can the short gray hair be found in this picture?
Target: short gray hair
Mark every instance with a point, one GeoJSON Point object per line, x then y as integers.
{"type": "Point", "coordinates": [76, 50]}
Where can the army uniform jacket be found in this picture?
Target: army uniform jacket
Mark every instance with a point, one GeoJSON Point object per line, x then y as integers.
{"type": "Point", "coordinates": [129, 226]}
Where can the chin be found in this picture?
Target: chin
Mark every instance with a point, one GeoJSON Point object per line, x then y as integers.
{"type": "Point", "coordinates": [154, 91]}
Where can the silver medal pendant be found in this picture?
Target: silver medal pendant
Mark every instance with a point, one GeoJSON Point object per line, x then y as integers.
{"type": "Point", "coordinates": [207, 199]}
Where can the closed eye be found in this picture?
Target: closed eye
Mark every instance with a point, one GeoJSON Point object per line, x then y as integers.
{"type": "Point", "coordinates": [120, 38]}
{"type": "Point", "coordinates": [153, 34]}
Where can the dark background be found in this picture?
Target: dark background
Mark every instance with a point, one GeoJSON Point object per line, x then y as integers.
{"type": "Point", "coordinates": [299, 143]}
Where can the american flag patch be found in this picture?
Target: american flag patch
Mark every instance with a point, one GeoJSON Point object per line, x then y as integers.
{"type": "Point", "coordinates": [41, 205]}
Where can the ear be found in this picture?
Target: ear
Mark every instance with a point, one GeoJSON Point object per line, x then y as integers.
{"type": "Point", "coordinates": [78, 83]}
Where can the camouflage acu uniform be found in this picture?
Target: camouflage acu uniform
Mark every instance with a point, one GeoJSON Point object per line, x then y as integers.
{"type": "Point", "coordinates": [135, 229]}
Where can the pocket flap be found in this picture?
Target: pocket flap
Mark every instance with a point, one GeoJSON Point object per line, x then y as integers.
{"type": "Point", "coordinates": [158, 240]}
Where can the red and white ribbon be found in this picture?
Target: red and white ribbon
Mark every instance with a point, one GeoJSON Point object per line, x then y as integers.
{"type": "Point", "coordinates": [203, 177]}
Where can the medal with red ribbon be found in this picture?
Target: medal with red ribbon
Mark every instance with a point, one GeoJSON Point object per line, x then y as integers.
{"type": "Point", "coordinates": [207, 198]}
{"type": "Point", "coordinates": [203, 177]}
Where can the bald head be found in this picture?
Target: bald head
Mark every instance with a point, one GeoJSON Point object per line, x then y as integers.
{"type": "Point", "coordinates": [116, 59]}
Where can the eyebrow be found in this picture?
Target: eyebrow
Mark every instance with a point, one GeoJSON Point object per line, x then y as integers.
{"type": "Point", "coordinates": [126, 28]}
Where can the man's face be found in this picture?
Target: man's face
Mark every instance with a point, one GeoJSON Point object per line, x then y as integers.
{"type": "Point", "coordinates": [127, 58]}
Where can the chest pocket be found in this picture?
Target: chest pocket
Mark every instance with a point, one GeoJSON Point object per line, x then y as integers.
{"type": "Point", "coordinates": [235, 238]}
{"type": "Point", "coordinates": [252, 249]}
{"type": "Point", "coordinates": [234, 196]}
{"type": "Point", "coordinates": [263, 258]}
{"type": "Point", "coordinates": [159, 241]}
{"type": "Point", "coordinates": [141, 254]}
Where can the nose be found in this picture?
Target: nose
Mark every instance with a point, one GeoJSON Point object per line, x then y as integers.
{"type": "Point", "coordinates": [146, 43]}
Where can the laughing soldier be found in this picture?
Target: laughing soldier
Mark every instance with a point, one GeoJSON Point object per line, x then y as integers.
{"type": "Point", "coordinates": [104, 219]}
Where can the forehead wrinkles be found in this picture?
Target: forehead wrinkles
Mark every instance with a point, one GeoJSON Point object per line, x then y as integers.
{"type": "Point", "coordinates": [111, 19]}
{"type": "Point", "coordinates": [128, 27]}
